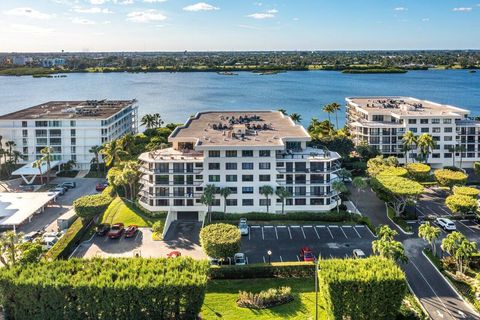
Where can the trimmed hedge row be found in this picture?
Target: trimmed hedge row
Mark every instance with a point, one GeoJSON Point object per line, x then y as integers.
{"type": "Point", "coordinates": [305, 216]}
{"type": "Point", "coordinates": [89, 206]}
{"type": "Point", "coordinates": [262, 270]}
{"type": "Point", "coordinates": [371, 288]}
{"type": "Point", "coordinates": [122, 288]}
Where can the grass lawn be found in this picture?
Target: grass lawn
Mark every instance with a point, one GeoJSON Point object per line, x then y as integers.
{"type": "Point", "coordinates": [221, 296]}
{"type": "Point", "coordinates": [121, 210]}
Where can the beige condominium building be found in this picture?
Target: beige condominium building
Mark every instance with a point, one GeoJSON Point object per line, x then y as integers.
{"type": "Point", "coordinates": [242, 151]}
{"type": "Point", "coordinates": [382, 121]}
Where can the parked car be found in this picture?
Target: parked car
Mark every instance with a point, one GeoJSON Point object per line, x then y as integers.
{"type": "Point", "coordinates": [27, 188]}
{"type": "Point", "coordinates": [359, 254]}
{"type": "Point", "coordinates": [30, 236]}
{"type": "Point", "coordinates": [65, 188]}
{"type": "Point", "coordinates": [306, 254]}
{"type": "Point", "coordinates": [116, 231]}
{"type": "Point", "coordinates": [101, 186]}
{"type": "Point", "coordinates": [174, 254]}
{"type": "Point", "coordinates": [446, 224]}
{"type": "Point", "coordinates": [58, 190]}
{"type": "Point", "coordinates": [69, 185]}
{"type": "Point", "coordinates": [239, 259]}
{"type": "Point", "coordinates": [131, 231]}
{"type": "Point", "coordinates": [243, 226]}
{"type": "Point", "coordinates": [214, 261]}
{"type": "Point", "coordinates": [49, 242]}
{"type": "Point", "coordinates": [102, 229]}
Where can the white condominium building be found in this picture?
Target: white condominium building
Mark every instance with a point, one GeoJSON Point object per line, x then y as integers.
{"type": "Point", "coordinates": [382, 121]}
{"type": "Point", "coordinates": [242, 151]}
{"type": "Point", "coordinates": [70, 128]}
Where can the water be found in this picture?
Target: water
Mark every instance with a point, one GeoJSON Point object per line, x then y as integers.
{"type": "Point", "coordinates": [178, 95]}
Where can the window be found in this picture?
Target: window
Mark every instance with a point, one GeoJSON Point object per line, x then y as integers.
{"type": "Point", "coordinates": [216, 202]}
{"type": "Point", "coordinates": [264, 153]}
{"type": "Point", "coordinates": [198, 177]}
{"type": "Point", "coordinates": [233, 190]}
{"type": "Point", "coordinates": [161, 179]}
{"type": "Point", "coordinates": [448, 130]}
{"type": "Point", "coordinates": [300, 202]}
{"type": "Point", "coordinates": [25, 150]}
{"type": "Point", "coordinates": [447, 121]}
{"type": "Point", "coordinates": [231, 202]}
{"type": "Point", "coordinates": [178, 167]}
{"type": "Point", "coordinates": [294, 145]}
{"type": "Point", "coordinates": [73, 141]}
{"type": "Point", "coordinates": [263, 202]}
{"type": "Point", "coordinates": [73, 132]}
{"type": "Point", "coordinates": [436, 155]}
{"type": "Point", "coordinates": [214, 178]}
{"type": "Point", "coordinates": [412, 121]}
{"type": "Point", "coordinates": [214, 166]}
{"type": "Point", "coordinates": [41, 123]}
{"type": "Point", "coordinates": [178, 179]}
{"type": "Point", "coordinates": [280, 164]}
{"type": "Point", "coordinates": [24, 124]}
{"type": "Point", "coordinates": [414, 130]}
{"type": "Point", "coordinates": [247, 190]}
{"type": "Point", "coordinates": [435, 130]}
{"type": "Point", "coordinates": [231, 153]}
{"type": "Point", "coordinates": [24, 133]}
{"type": "Point", "coordinates": [73, 149]}
{"type": "Point", "coordinates": [264, 177]}
{"type": "Point", "coordinates": [247, 166]}
{"type": "Point", "coordinates": [247, 202]}
{"type": "Point", "coordinates": [214, 153]}
{"type": "Point", "coordinates": [247, 153]}
{"type": "Point", "coordinates": [231, 166]}
{"type": "Point", "coordinates": [231, 178]}
{"type": "Point", "coordinates": [73, 123]}
{"type": "Point", "coordinates": [264, 165]}
{"type": "Point", "coordinates": [448, 138]}
{"type": "Point", "coordinates": [435, 121]}
{"type": "Point", "coordinates": [247, 177]}
{"type": "Point", "coordinates": [423, 121]}
{"type": "Point", "coordinates": [377, 117]}
{"type": "Point", "coordinates": [162, 202]}
{"type": "Point", "coordinates": [424, 130]}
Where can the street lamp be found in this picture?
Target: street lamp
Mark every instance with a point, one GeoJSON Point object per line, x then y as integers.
{"type": "Point", "coordinates": [269, 255]}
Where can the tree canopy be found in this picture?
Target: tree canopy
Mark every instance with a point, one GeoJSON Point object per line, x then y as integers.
{"type": "Point", "coordinates": [379, 164]}
{"type": "Point", "coordinates": [450, 178]}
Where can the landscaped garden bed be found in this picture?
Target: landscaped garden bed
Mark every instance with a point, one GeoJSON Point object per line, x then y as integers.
{"type": "Point", "coordinates": [265, 299]}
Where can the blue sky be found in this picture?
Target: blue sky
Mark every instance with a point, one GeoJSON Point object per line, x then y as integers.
{"type": "Point", "coordinates": [177, 25]}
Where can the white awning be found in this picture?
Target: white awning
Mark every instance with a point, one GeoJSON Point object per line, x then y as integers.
{"type": "Point", "coordinates": [29, 170]}
{"type": "Point", "coordinates": [16, 207]}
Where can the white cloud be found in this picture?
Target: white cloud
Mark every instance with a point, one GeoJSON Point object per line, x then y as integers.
{"type": "Point", "coordinates": [92, 10]}
{"type": "Point", "coordinates": [462, 9]}
{"type": "Point", "coordinates": [145, 16]}
{"type": "Point", "coordinates": [261, 16]}
{"type": "Point", "coordinates": [272, 11]}
{"type": "Point", "coordinates": [200, 6]}
{"type": "Point", "coordinates": [296, 19]}
{"type": "Point", "coordinates": [77, 20]}
{"type": "Point", "coordinates": [27, 28]}
{"type": "Point", "coordinates": [425, 19]}
{"type": "Point", "coordinates": [258, 4]}
{"type": "Point", "coordinates": [401, 9]}
{"type": "Point", "coordinates": [28, 12]}
{"type": "Point", "coordinates": [153, 1]}
{"type": "Point", "coordinates": [97, 2]}
{"type": "Point", "coordinates": [124, 2]}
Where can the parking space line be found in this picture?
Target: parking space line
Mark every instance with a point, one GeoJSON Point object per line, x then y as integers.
{"type": "Point", "coordinates": [466, 226]}
{"type": "Point", "coordinates": [331, 256]}
{"type": "Point", "coordinates": [358, 234]}
{"type": "Point", "coordinates": [276, 233]}
{"type": "Point", "coordinates": [441, 229]}
{"type": "Point", "coordinates": [263, 235]}
{"type": "Point", "coordinates": [318, 236]}
{"type": "Point", "coordinates": [328, 228]}
{"type": "Point", "coordinates": [246, 258]}
{"type": "Point", "coordinates": [346, 226]}
{"type": "Point", "coordinates": [281, 260]}
{"type": "Point", "coordinates": [298, 258]}
{"type": "Point", "coordinates": [281, 226]}
{"type": "Point", "coordinates": [304, 236]}
{"type": "Point", "coordinates": [320, 226]}
{"type": "Point", "coordinates": [264, 259]}
{"type": "Point", "coordinates": [341, 228]}
{"type": "Point", "coordinates": [249, 233]}
{"type": "Point", "coordinates": [371, 232]}
{"type": "Point", "coordinates": [359, 226]}
{"type": "Point", "coordinates": [136, 236]}
{"type": "Point", "coordinates": [307, 226]}
{"type": "Point", "coordinates": [256, 227]}
{"type": "Point", "coordinates": [268, 227]}
{"type": "Point", "coordinates": [333, 226]}
{"type": "Point", "coordinates": [295, 226]}
{"type": "Point", "coordinates": [289, 233]}
{"type": "Point", "coordinates": [445, 211]}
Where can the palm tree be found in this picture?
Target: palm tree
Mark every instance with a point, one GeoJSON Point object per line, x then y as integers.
{"type": "Point", "coordinates": [130, 175]}
{"type": "Point", "coordinates": [148, 121]}
{"type": "Point", "coordinates": [426, 144]}
{"type": "Point", "coordinates": [360, 184]}
{"type": "Point", "coordinates": [283, 111]}
{"type": "Point", "coordinates": [68, 166]}
{"type": "Point", "coordinates": [9, 247]}
{"type": "Point", "coordinates": [208, 198]}
{"type": "Point", "coordinates": [296, 117]}
{"type": "Point", "coordinates": [225, 193]}
{"type": "Point", "coordinates": [113, 153]}
{"type": "Point", "coordinates": [266, 191]}
{"type": "Point", "coordinates": [96, 152]}
{"type": "Point", "coordinates": [47, 157]}
{"type": "Point", "coordinates": [10, 145]}
{"type": "Point", "coordinates": [335, 107]}
{"type": "Point", "coordinates": [429, 233]}
{"type": "Point", "coordinates": [339, 187]}
{"type": "Point", "coordinates": [38, 164]}
{"type": "Point", "coordinates": [390, 249]}
{"type": "Point", "coordinates": [461, 150]}
{"type": "Point", "coordinates": [282, 193]}
{"type": "Point", "coordinates": [158, 120]}
{"type": "Point", "coordinates": [329, 110]}
{"type": "Point", "coordinates": [408, 141]}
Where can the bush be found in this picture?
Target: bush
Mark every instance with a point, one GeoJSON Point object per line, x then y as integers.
{"type": "Point", "coordinates": [394, 171]}
{"type": "Point", "coordinates": [262, 270]}
{"type": "Point", "coordinates": [461, 204]}
{"type": "Point", "coordinates": [90, 206]}
{"type": "Point", "coordinates": [157, 229]}
{"type": "Point", "coordinates": [265, 298]}
{"type": "Point", "coordinates": [371, 288]}
{"type": "Point", "coordinates": [466, 191]}
{"type": "Point", "coordinates": [418, 171]}
{"type": "Point", "coordinates": [121, 288]}
{"type": "Point", "coordinates": [220, 240]}
{"type": "Point", "coordinates": [450, 178]}
{"type": "Point", "coordinates": [332, 216]}
{"type": "Point", "coordinates": [476, 168]}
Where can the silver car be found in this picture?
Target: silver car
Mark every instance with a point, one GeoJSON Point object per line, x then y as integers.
{"type": "Point", "coordinates": [243, 227]}
{"type": "Point", "coordinates": [240, 259]}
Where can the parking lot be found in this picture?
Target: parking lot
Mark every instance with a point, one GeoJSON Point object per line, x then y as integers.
{"type": "Point", "coordinates": [285, 241]}
{"type": "Point", "coordinates": [432, 202]}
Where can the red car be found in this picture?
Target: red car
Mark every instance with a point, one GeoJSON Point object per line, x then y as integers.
{"type": "Point", "coordinates": [131, 231]}
{"type": "Point", "coordinates": [306, 254]}
{"type": "Point", "coordinates": [174, 254]}
{"type": "Point", "coordinates": [101, 186]}
{"type": "Point", "coordinates": [116, 231]}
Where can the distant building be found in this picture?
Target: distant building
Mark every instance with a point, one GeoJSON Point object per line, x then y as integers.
{"type": "Point", "coordinates": [71, 128]}
{"type": "Point", "coordinates": [382, 121]}
{"type": "Point", "coordinates": [55, 62]}
{"type": "Point", "coordinates": [242, 151]}
{"type": "Point", "coordinates": [21, 60]}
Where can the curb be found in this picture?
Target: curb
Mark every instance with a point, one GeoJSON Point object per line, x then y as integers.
{"type": "Point", "coordinates": [473, 310]}
{"type": "Point", "coordinates": [398, 227]}
{"type": "Point", "coordinates": [418, 300]}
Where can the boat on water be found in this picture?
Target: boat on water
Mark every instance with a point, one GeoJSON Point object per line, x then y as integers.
{"type": "Point", "coordinates": [227, 73]}
{"type": "Point", "coordinates": [472, 71]}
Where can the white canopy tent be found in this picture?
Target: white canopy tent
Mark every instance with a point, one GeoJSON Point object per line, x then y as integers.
{"type": "Point", "coordinates": [29, 171]}
{"type": "Point", "coordinates": [16, 207]}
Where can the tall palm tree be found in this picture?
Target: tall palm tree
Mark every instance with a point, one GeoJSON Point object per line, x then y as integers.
{"type": "Point", "coordinates": [282, 193]}
{"type": "Point", "coordinates": [283, 111]}
{"type": "Point", "coordinates": [360, 184]}
{"type": "Point", "coordinates": [38, 164]}
{"type": "Point", "coordinates": [148, 121]}
{"type": "Point", "coordinates": [225, 193]}
{"type": "Point", "coordinates": [408, 141]}
{"type": "Point", "coordinates": [208, 198]}
{"type": "Point", "coordinates": [426, 144]}
{"type": "Point", "coordinates": [16, 156]}
{"type": "Point", "coordinates": [329, 110]}
{"type": "Point", "coordinates": [113, 153]}
{"type": "Point", "coordinates": [266, 191]}
{"type": "Point", "coordinates": [96, 152]}
{"type": "Point", "coordinates": [130, 175]}
{"type": "Point", "coordinates": [10, 145]}
{"type": "Point", "coordinates": [296, 117]}
{"type": "Point", "coordinates": [461, 150]}
{"type": "Point", "coordinates": [47, 157]}
{"type": "Point", "coordinates": [339, 187]}
{"type": "Point", "coordinates": [335, 107]}
{"type": "Point", "coordinates": [158, 120]}
{"type": "Point", "coordinates": [429, 233]}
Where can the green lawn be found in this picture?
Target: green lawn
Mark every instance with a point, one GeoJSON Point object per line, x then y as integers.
{"type": "Point", "coordinates": [220, 300]}
{"type": "Point", "coordinates": [122, 211]}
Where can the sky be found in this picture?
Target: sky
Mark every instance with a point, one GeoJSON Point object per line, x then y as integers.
{"type": "Point", "coordinates": [240, 25]}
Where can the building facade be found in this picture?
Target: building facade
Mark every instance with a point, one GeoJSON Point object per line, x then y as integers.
{"type": "Point", "coordinates": [70, 128]}
{"type": "Point", "coordinates": [242, 151]}
{"type": "Point", "coordinates": [381, 122]}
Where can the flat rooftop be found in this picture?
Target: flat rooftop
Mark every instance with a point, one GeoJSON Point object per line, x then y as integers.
{"type": "Point", "coordinates": [54, 110]}
{"type": "Point", "coordinates": [16, 207]}
{"type": "Point", "coordinates": [239, 128]}
{"type": "Point", "coordinates": [405, 106]}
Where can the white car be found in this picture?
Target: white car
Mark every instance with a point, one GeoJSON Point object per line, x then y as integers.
{"type": "Point", "coordinates": [446, 224]}
{"type": "Point", "coordinates": [48, 242]}
{"type": "Point", "coordinates": [240, 259]}
{"type": "Point", "coordinates": [243, 227]}
{"type": "Point", "coordinates": [358, 254]}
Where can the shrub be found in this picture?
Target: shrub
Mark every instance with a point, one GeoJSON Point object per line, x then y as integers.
{"type": "Point", "coordinates": [394, 171]}
{"type": "Point", "coordinates": [332, 216]}
{"type": "Point", "coordinates": [466, 191]}
{"type": "Point", "coordinates": [220, 240]}
{"type": "Point", "coordinates": [379, 164]}
{"type": "Point", "coordinates": [265, 298]}
{"type": "Point", "coordinates": [378, 281]}
{"type": "Point", "coordinates": [450, 178]}
{"type": "Point", "coordinates": [461, 204]}
{"type": "Point", "coordinates": [89, 206]}
{"type": "Point", "coordinates": [121, 288]}
{"type": "Point", "coordinates": [262, 270]}
{"type": "Point", "coordinates": [157, 229]}
{"type": "Point", "coordinates": [418, 171]}
{"type": "Point", "coordinates": [476, 168]}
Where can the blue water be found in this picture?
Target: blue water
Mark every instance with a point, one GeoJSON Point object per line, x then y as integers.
{"type": "Point", "coordinates": [178, 95]}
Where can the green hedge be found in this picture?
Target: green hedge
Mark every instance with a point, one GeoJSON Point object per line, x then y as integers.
{"type": "Point", "coordinates": [122, 288]}
{"type": "Point", "coordinates": [274, 270]}
{"type": "Point", "coordinates": [220, 240]}
{"type": "Point", "coordinates": [371, 288]}
{"type": "Point", "coordinates": [66, 244]}
{"type": "Point", "coordinates": [290, 216]}
{"type": "Point", "coordinates": [89, 206]}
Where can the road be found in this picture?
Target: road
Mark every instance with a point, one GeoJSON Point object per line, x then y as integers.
{"type": "Point", "coordinates": [434, 292]}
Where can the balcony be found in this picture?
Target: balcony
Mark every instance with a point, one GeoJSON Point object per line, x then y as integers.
{"type": "Point", "coordinates": [308, 154]}
{"type": "Point", "coordinates": [145, 169]}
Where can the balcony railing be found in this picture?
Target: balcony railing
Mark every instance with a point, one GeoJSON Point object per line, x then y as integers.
{"type": "Point", "coordinates": [171, 171]}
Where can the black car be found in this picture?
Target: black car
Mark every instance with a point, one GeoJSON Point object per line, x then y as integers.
{"type": "Point", "coordinates": [102, 229]}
